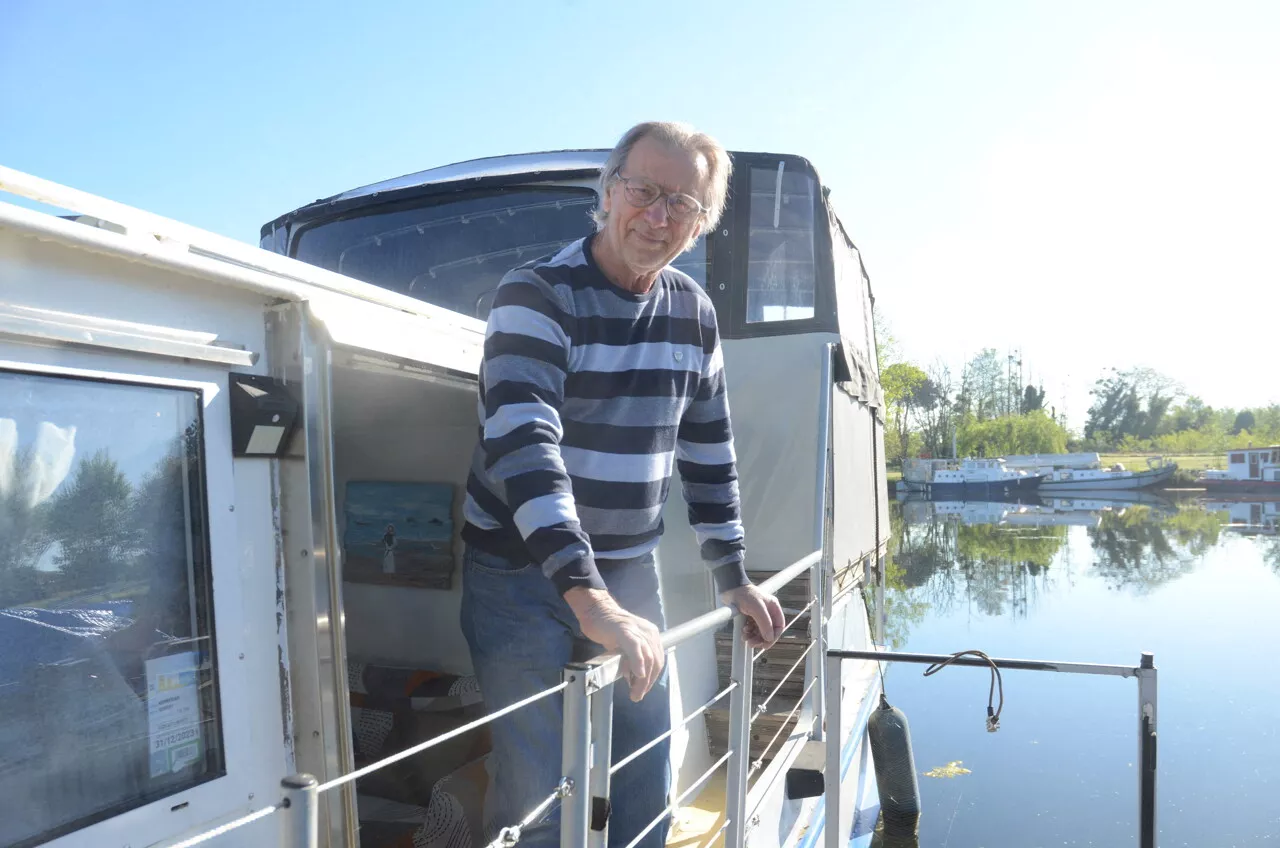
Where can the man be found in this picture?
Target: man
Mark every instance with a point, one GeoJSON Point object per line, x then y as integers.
{"type": "Point", "coordinates": [602, 370]}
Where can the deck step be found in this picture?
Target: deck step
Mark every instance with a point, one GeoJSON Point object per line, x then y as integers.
{"type": "Point", "coordinates": [762, 730]}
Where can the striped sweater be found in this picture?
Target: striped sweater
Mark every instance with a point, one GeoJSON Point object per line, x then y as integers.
{"type": "Point", "coordinates": [589, 396]}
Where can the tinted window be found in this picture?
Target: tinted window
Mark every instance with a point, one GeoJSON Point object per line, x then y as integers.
{"type": "Point", "coordinates": [781, 274]}
{"type": "Point", "coordinates": [108, 691]}
{"type": "Point", "coordinates": [454, 253]}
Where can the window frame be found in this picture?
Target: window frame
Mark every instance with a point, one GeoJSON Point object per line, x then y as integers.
{"type": "Point", "coordinates": [728, 273]}
{"type": "Point", "coordinates": [245, 769]}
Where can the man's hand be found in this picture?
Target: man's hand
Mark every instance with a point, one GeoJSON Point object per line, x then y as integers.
{"type": "Point", "coordinates": [636, 639]}
{"type": "Point", "coordinates": [764, 615]}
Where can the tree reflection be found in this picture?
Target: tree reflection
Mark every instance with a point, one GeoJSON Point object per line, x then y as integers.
{"type": "Point", "coordinates": [995, 568]}
{"type": "Point", "coordinates": [1139, 548]}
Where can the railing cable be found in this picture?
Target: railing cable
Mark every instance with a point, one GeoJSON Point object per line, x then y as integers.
{"type": "Point", "coordinates": [671, 808]}
{"type": "Point", "coordinates": [228, 827]}
{"type": "Point", "coordinates": [755, 766]}
{"type": "Point", "coordinates": [431, 743]}
{"type": "Point", "coordinates": [508, 837]}
{"type": "Point", "coordinates": [616, 767]}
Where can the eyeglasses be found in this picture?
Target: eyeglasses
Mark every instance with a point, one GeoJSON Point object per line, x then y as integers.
{"type": "Point", "coordinates": [642, 193]}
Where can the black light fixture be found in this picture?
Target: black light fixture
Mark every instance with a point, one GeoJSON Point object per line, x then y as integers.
{"type": "Point", "coordinates": [264, 415]}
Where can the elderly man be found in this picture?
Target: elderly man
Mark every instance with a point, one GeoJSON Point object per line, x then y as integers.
{"type": "Point", "coordinates": [602, 370]}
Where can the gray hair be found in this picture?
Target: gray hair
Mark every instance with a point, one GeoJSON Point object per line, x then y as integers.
{"type": "Point", "coordinates": [712, 159]}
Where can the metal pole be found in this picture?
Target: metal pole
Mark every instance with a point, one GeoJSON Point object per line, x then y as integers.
{"type": "Point", "coordinates": [576, 758]}
{"type": "Point", "coordinates": [1147, 751]}
{"type": "Point", "coordinates": [831, 773]}
{"type": "Point", "coordinates": [823, 520]}
{"type": "Point", "coordinates": [301, 814]}
{"type": "Point", "coordinates": [817, 654]}
{"type": "Point", "coordinates": [601, 761]}
{"type": "Point", "coordinates": [740, 710]}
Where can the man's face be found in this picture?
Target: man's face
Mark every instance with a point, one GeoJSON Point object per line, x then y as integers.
{"type": "Point", "coordinates": [647, 239]}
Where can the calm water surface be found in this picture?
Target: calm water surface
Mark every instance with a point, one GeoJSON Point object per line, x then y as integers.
{"type": "Point", "coordinates": [1089, 580]}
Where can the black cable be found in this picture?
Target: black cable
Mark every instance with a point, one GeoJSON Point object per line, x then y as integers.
{"type": "Point", "coordinates": [993, 715]}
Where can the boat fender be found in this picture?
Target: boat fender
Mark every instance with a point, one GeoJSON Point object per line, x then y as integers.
{"type": "Point", "coordinates": [895, 764]}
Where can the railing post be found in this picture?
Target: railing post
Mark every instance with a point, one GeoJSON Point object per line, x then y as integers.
{"type": "Point", "coordinates": [301, 815]}
{"type": "Point", "coordinates": [831, 773]}
{"type": "Point", "coordinates": [818, 618]}
{"type": "Point", "coordinates": [576, 758]}
{"type": "Point", "coordinates": [1147, 752]}
{"type": "Point", "coordinates": [601, 762]}
{"type": "Point", "coordinates": [740, 710]}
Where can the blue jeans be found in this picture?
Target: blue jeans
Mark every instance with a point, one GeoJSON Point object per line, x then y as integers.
{"type": "Point", "coordinates": [522, 634]}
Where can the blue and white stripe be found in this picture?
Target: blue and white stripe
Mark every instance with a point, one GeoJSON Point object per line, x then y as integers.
{"type": "Point", "coordinates": [590, 398]}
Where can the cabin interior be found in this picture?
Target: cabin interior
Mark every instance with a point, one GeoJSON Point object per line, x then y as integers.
{"type": "Point", "coordinates": [402, 443]}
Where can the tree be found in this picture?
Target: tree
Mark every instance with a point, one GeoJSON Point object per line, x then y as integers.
{"type": "Point", "coordinates": [905, 390]}
{"type": "Point", "coordinates": [1034, 432]}
{"type": "Point", "coordinates": [1129, 403]}
{"type": "Point", "coordinates": [886, 342]}
{"type": "Point", "coordinates": [1032, 400]}
{"type": "Point", "coordinates": [936, 414]}
{"type": "Point", "coordinates": [92, 520]}
{"type": "Point", "coordinates": [983, 385]}
{"type": "Point", "coordinates": [21, 532]}
{"type": "Point", "coordinates": [1245, 420]}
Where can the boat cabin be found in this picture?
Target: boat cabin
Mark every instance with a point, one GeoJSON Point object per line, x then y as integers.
{"type": "Point", "coordinates": [1254, 464]}
{"type": "Point", "coordinates": [231, 482]}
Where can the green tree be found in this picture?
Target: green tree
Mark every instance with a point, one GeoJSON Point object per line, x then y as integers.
{"type": "Point", "coordinates": [91, 517]}
{"type": "Point", "coordinates": [1245, 421]}
{"type": "Point", "coordinates": [1032, 400]}
{"type": "Point", "coordinates": [1034, 432]}
{"type": "Point", "coordinates": [22, 536]}
{"type": "Point", "coordinates": [905, 391]}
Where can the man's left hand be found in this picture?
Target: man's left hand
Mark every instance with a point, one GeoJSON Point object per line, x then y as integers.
{"type": "Point", "coordinates": [764, 615]}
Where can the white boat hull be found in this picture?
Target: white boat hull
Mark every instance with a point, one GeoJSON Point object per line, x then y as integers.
{"type": "Point", "coordinates": [1137, 480]}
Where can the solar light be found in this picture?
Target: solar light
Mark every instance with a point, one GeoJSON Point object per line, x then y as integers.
{"type": "Point", "coordinates": [264, 415]}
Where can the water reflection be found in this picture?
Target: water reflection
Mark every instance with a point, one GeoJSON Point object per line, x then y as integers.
{"type": "Point", "coordinates": [1091, 578]}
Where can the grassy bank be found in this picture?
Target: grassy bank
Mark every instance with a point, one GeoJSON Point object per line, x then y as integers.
{"type": "Point", "coordinates": [1189, 462]}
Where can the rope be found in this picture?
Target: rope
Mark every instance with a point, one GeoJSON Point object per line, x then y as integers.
{"type": "Point", "coordinates": [431, 743]}
{"type": "Point", "coordinates": [508, 837]}
{"type": "Point", "coordinates": [993, 715]}
{"type": "Point", "coordinates": [690, 717]}
{"type": "Point", "coordinates": [228, 827]}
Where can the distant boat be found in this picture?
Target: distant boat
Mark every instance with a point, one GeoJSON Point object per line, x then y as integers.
{"type": "Point", "coordinates": [1117, 477]}
{"type": "Point", "coordinates": [981, 478]}
{"type": "Point", "coordinates": [1249, 471]}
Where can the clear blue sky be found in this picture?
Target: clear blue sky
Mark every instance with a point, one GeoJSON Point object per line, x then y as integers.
{"type": "Point", "coordinates": [1042, 175]}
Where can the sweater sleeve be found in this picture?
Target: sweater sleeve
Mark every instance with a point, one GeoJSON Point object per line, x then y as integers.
{"type": "Point", "coordinates": [526, 356]}
{"type": "Point", "coordinates": [708, 472]}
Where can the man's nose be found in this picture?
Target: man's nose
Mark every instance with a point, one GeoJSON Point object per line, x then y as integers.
{"type": "Point", "coordinates": [655, 214]}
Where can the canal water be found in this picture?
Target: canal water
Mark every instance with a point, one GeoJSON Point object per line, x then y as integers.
{"type": "Point", "coordinates": [1091, 580]}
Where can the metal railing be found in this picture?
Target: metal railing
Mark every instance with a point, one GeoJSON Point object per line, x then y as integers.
{"type": "Point", "coordinates": [588, 720]}
{"type": "Point", "coordinates": [588, 723]}
{"type": "Point", "coordinates": [1144, 672]}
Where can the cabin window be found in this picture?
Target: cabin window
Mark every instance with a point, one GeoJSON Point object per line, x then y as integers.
{"type": "Point", "coordinates": [781, 271]}
{"type": "Point", "coordinates": [1236, 458]}
{"type": "Point", "coordinates": [454, 252]}
{"type": "Point", "coordinates": [108, 686]}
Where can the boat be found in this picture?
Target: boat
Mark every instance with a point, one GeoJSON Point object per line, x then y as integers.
{"type": "Point", "coordinates": [981, 479]}
{"type": "Point", "coordinates": [1249, 471]}
{"type": "Point", "coordinates": [231, 478]}
{"type": "Point", "coordinates": [1099, 479]}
